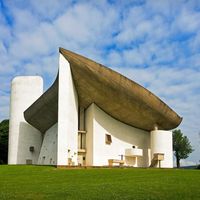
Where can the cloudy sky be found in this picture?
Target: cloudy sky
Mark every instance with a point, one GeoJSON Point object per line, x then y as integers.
{"type": "Point", "coordinates": [155, 43]}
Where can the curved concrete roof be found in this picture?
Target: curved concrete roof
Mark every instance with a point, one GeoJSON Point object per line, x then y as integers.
{"type": "Point", "coordinates": [43, 113]}
{"type": "Point", "coordinates": [120, 97]}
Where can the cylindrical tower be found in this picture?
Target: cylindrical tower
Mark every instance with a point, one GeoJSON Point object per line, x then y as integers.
{"type": "Point", "coordinates": [161, 143]}
{"type": "Point", "coordinates": [24, 91]}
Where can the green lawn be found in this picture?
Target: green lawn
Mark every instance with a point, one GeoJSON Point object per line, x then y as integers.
{"type": "Point", "coordinates": [39, 182]}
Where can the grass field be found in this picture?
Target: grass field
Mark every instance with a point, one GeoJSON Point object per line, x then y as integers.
{"type": "Point", "coordinates": [39, 182]}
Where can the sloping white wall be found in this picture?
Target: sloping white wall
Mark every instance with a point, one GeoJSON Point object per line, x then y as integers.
{"type": "Point", "coordinates": [98, 123]}
{"type": "Point", "coordinates": [24, 91]}
{"type": "Point", "coordinates": [67, 115]}
{"type": "Point", "coordinates": [161, 142]}
{"type": "Point", "coordinates": [48, 153]}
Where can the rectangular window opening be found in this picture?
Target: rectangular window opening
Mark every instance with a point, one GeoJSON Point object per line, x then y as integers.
{"type": "Point", "coordinates": [108, 139]}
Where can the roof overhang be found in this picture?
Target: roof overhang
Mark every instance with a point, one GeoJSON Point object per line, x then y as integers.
{"type": "Point", "coordinates": [118, 96]}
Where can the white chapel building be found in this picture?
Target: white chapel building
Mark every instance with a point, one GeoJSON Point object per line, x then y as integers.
{"type": "Point", "coordinates": [90, 116]}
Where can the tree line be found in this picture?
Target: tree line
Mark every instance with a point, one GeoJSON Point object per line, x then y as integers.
{"type": "Point", "coordinates": [4, 128]}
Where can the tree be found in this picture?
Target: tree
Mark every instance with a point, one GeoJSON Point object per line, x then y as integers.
{"type": "Point", "coordinates": [181, 146]}
{"type": "Point", "coordinates": [4, 128]}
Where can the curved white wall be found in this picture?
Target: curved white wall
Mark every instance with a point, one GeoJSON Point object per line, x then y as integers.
{"type": "Point", "coordinates": [67, 115]}
{"type": "Point", "coordinates": [98, 123]}
{"type": "Point", "coordinates": [24, 91]}
{"type": "Point", "coordinates": [161, 142]}
{"type": "Point", "coordinates": [48, 152]}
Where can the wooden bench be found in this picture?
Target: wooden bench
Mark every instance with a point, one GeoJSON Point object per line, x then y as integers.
{"type": "Point", "coordinates": [111, 161]}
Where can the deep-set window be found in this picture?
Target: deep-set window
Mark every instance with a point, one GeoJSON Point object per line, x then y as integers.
{"type": "Point", "coordinates": [108, 139]}
{"type": "Point", "coordinates": [31, 148]}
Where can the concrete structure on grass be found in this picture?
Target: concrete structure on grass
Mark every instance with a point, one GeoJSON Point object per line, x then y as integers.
{"type": "Point", "coordinates": [90, 116]}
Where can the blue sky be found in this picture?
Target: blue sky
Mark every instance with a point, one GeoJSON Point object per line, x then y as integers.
{"type": "Point", "coordinates": [155, 43]}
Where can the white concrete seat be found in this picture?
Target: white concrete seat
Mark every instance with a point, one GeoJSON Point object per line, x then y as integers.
{"type": "Point", "coordinates": [111, 161]}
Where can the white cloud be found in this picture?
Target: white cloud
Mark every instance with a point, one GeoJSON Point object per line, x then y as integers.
{"type": "Point", "coordinates": [49, 9]}
{"type": "Point", "coordinates": [194, 43]}
{"type": "Point", "coordinates": [86, 25]}
{"type": "Point", "coordinates": [2, 48]}
{"type": "Point", "coordinates": [187, 21]}
{"type": "Point", "coordinates": [24, 20]}
{"type": "Point", "coordinates": [134, 57]}
{"type": "Point", "coordinates": [114, 59]}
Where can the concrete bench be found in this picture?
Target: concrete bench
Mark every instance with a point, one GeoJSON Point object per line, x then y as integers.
{"type": "Point", "coordinates": [157, 158]}
{"type": "Point", "coordinates": [112, 161]}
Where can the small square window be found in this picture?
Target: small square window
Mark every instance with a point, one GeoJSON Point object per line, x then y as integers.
{"type": "Point", "coordinates": [31, 149]}
{"type": "Point", "coordinates": [108, 139]}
